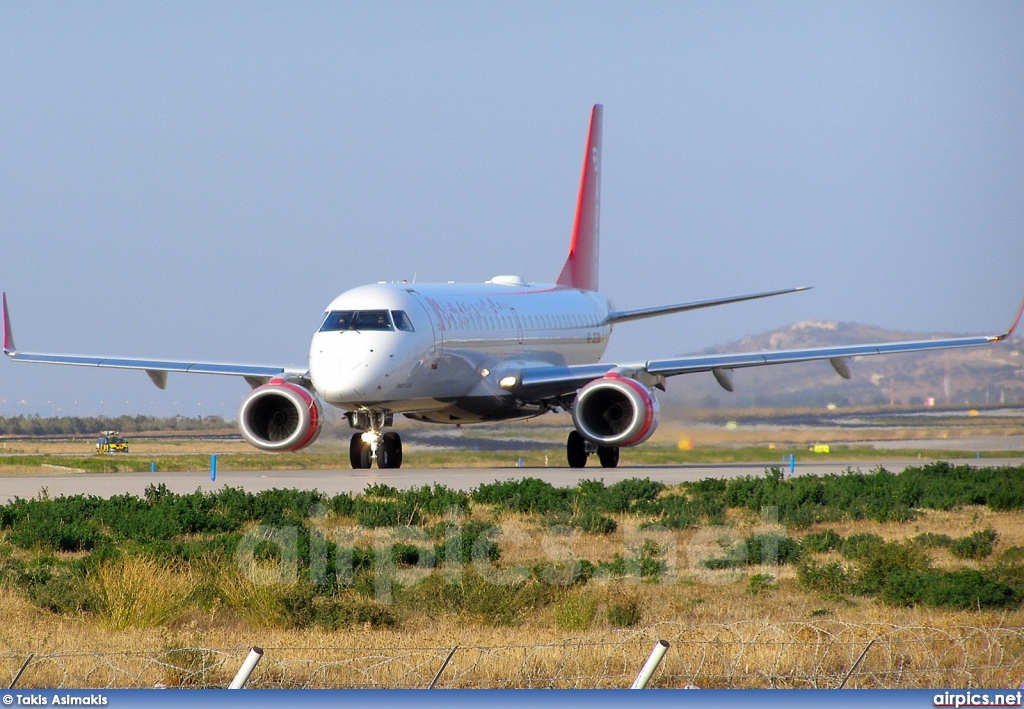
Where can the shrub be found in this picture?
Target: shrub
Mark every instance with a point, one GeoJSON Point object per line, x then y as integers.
{"type": "Point", "coordinates": [965, 589]}
{"type": "Point", "coordinates": [760, 582]}
{"type": "Point", "coordinates": [861, 546]}
{"type": "Point", "coordinates": [51, 532]}
{"type": "Point", "coordinates": [889, 563]}
{"type": "Point", "coordinates": [1013, 555]}
{"type": "Point", "coordinates": [593, 523]}
{"type": "Point", "coordinates": [474, 596]}
{"type": "Point", "coordinates": [831, 580]}
{"type": "Point", "coordinates": [59, 588]}
{"type": "Point", "coordinates": [467, 543]}
{"type": "Point", "coordinates": [624, 613]}
{"type": "Point", "coordinates": [642, 563]}
{"type": "Point", "coordinates": [530, 495]}
{"type": "Point", "coordinates": [974, 546]}
{"type": "Point", "coordinates": [930, 539]}
{"type": "Point", "coordinates": [139, 592]}
{"type": "Point", "coordinates": [575, 611]}
{"type": "Point", "coordinates": [821, 542]}
{"type": "Point", "coordinates": [770, 548]}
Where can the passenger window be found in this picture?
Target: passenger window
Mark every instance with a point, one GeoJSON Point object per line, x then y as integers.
{"type": "Point", "coordinates": [402, 321]}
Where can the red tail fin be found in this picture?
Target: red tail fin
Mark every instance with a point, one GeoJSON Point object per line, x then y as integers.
{"type": "Point", "coordinates": [580, 269]}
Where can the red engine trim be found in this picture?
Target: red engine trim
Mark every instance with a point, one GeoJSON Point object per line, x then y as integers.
{"type": "Point", "coordinates": [649, 413]}
{"type": "Point", "coordinates": [309, 403]}
{"type": "Point", "coordinates": [645, 411]}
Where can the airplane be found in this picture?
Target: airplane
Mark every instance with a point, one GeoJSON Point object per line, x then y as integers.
{"type": "Point", "coordinates": [460, 353]}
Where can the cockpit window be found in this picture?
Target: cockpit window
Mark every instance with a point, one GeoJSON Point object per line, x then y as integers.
{"type": "Point", "coordinates": [357, 320]}
{"type": "Point", "coordinates": [337, 320]}
{"type": "Point", "coordinates": [402, 321]}
{"type": "Point", "coordinates": [372, 320]}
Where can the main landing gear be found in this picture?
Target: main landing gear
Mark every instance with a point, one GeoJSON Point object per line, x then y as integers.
{"type": "Point", "coordinates": [578, 449]}
{"type": "Point", "coordinates": [371, 444]}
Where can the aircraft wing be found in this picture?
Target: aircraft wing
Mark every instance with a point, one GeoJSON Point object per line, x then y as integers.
{"type": "Point", "coordinates": [548, 382]}
{"type": "Point", "coordinates": [618, 316]}
{"type": "Point", "coordinates": [157, 369]}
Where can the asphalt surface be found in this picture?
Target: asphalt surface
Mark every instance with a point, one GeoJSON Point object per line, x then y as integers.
{"type": "Point", "coordinates": [59, 483]}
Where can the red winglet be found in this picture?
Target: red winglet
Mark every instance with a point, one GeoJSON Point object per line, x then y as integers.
{"type": "Point", "coordinates": [1005, 335]}
{"type": "Point", "coordinates": [580, 269]}
{"type": "Point", "coordinates": [8, 335]}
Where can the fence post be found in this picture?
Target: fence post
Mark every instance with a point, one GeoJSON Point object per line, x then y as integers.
{"type": "Point", "coordinates": [22, 670]}
{"type": "Point", "coordinates": [213, 467]}
{"type": "Point", "coordinates": [246, 669]}
{"type": "Point", "coordinates": [865, 652]}
{"type": "Point", "coordinates": [651, 665]}
{"type": "Point", "coordinates": [443, 665]}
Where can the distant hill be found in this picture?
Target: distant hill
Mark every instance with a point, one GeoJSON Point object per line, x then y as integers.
{"type": "Point", "coordinates": [977, 375]}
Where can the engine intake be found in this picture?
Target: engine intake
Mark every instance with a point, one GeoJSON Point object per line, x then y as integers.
{"type": "Point", "coordinates": [615, 412]}
{"type": "Point", "coordinates": [279, 416]}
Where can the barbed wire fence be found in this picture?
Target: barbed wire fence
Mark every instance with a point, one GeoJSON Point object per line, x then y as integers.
{"type": "Point", "coordinates": [735, 655]}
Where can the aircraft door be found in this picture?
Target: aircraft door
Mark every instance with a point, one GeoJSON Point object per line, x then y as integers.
{"type": "Point", "coordinates": [518, 325]}
{"type": "Point", "coordinates": [433, 317]}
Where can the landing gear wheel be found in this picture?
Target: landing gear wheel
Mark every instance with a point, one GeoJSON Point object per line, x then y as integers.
{"type": "Point", "coordinates": [609, 456]}
{"type": "Point", "coordinates": [576, 450]}
{"type": "Point", "coordinates": [389, 452]}
{"type": "Point", "coordinates": [359, 453]}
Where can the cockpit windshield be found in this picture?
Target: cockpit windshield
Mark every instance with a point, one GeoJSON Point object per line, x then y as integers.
{"type": "Point", "coordinates": [365, 320]}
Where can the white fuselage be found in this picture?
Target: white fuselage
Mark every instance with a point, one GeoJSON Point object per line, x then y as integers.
{"type": "Point", "coordinates": [457, 344]}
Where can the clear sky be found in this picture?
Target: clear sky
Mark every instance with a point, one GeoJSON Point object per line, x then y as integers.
{"type": "Point", "coordinates": [198, 180]}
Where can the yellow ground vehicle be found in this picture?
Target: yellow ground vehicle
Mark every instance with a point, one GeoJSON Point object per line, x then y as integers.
{"type": "Point", "coordinates": [111, 442]}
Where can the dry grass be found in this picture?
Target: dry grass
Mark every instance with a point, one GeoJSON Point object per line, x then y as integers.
{"type": "Point", "coordinates": [139, 592]}
{"type": "Point", "coordinates": [722, 635]}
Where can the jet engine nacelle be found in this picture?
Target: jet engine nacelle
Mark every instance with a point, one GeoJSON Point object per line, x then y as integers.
{"type": "Point", "coordinates": [279, 416]}
{"type": "Point", "coordinates": [615, 412]}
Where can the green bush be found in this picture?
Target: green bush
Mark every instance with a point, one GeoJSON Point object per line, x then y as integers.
{"type": "Point", "coordinates": [760, 582]}
{"type": "Point", "coordinates": [974, 546]}
{"type": "Point", "coordinates": [887, 564]}
{"type": "Point", "coordinates": [643, 562]}
{"type": "Point", "coordinates": [464, 543]}
{"type": "Point", "coordinates": [530, 495]}
{"type": "Point", "coordinates": [625, 613]}
{"type": "Point", "coordinates": [831, 580]}
{"type": "Point", "coordinates": [575, 611]}
{"type": "Point", "coordinates": [821, 542]}
{"type": "Point", "coordinates": [965, 589]}
{"type": "Point", "coordinates": [593, 523]}
{"type": "Point", "coordinates": [477, 598]}
{"type": "Point", "coordinates": [861, 546]}
{"type": "Point", "coordinates": [930, 539]}
{"type": "Point", "coordinates": [51, 585]}
{"type": "Point", "coordinates": [301, 606]}
{"type": "Point", "coordinates": [1013, 555]}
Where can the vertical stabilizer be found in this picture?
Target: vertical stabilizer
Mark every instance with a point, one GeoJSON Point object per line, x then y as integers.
{"type": "Point", "coordinates": [580, 269]}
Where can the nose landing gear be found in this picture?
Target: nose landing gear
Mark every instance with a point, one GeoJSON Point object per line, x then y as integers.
{"type": "Point", "coordinates": [371, 444]}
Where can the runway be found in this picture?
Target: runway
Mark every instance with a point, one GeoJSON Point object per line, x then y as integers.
{"type": "Point", "coordinates": [335, 481]}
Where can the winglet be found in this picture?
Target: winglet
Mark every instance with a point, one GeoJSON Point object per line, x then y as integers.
{"type": "Point", "coordinates": [8, 335]}
{"type": "Point", "coordinates": [580, 269]}
{"type": "Point", "coordinates": [1004, 336]}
